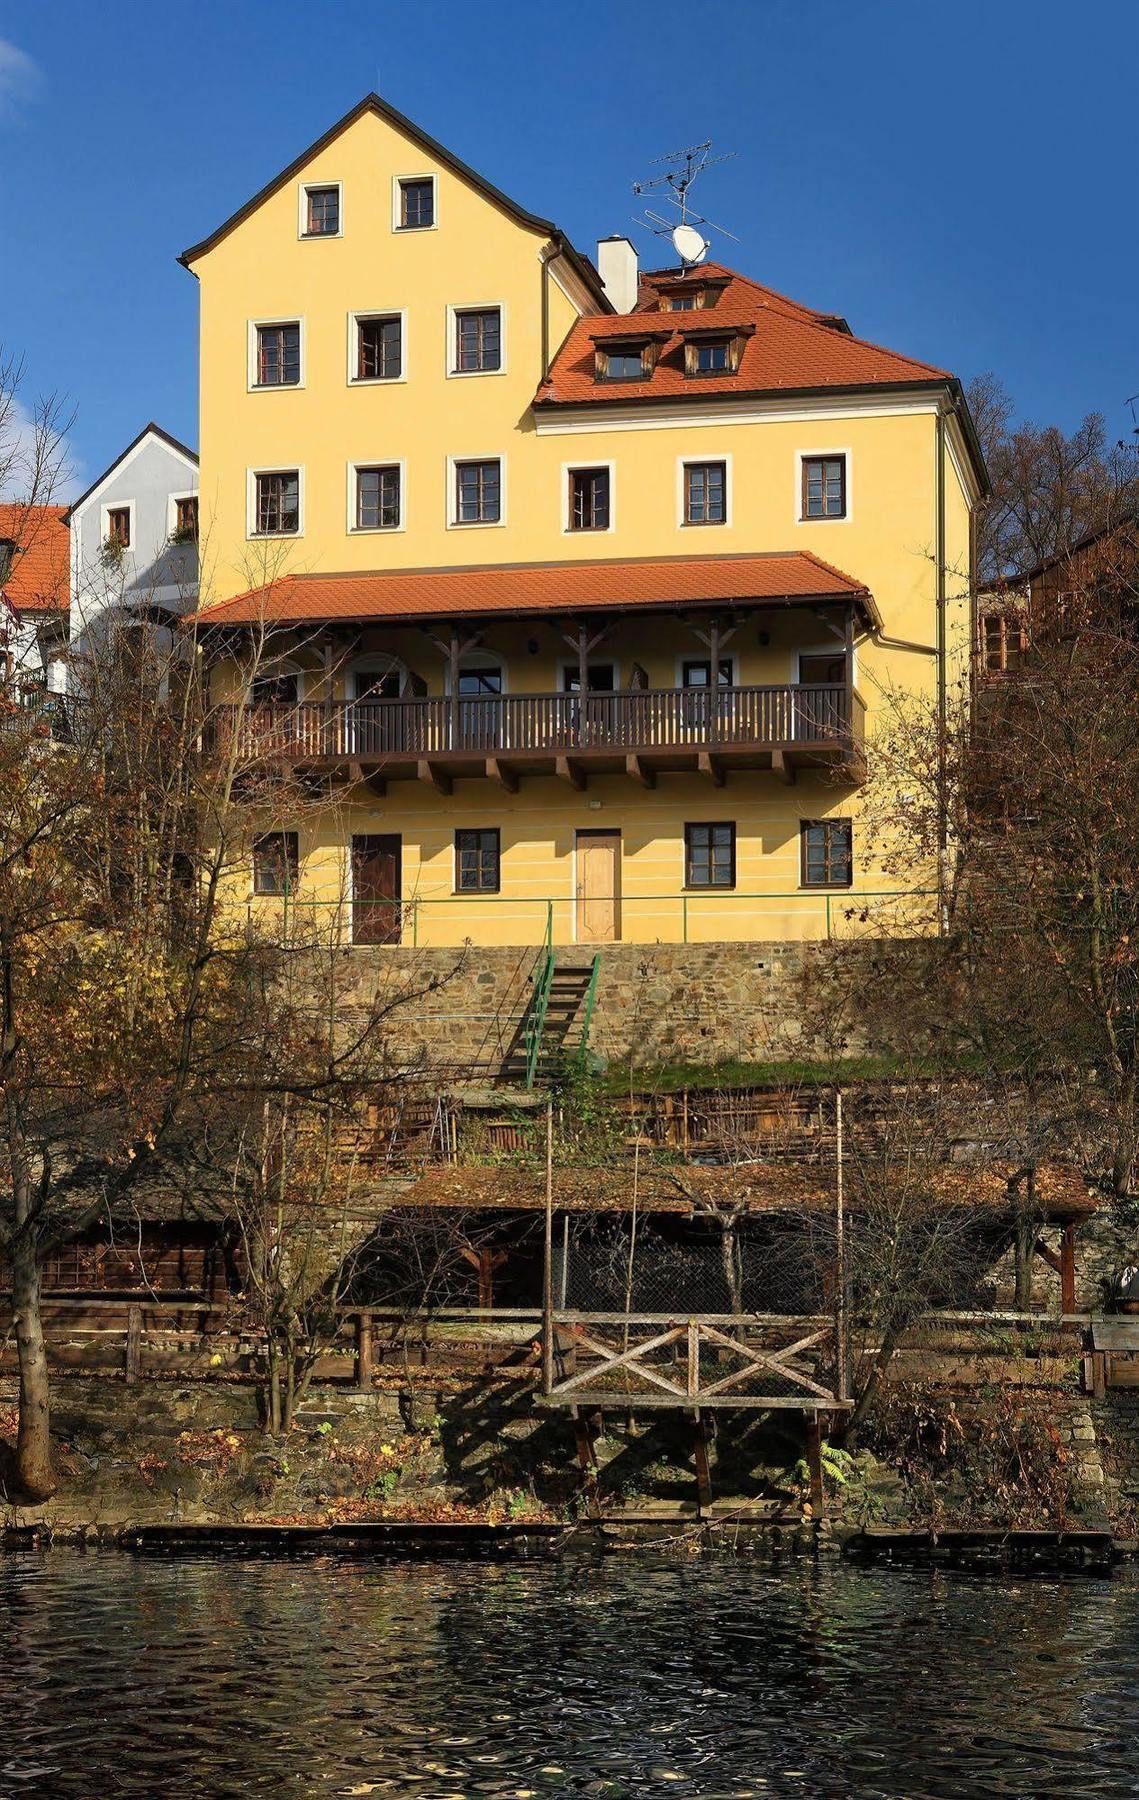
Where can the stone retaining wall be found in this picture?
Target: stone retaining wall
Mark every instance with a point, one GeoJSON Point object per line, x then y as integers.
{"type": "Point", "coordinates": [657, 1003]}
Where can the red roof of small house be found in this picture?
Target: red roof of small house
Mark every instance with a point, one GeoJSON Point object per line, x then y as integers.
{"type": "Point", "coordinates": [678, 581]}
{"type": "Point", "coordinates": [786, 347]}
{"type": "Point", "coordinates": [39, 579]}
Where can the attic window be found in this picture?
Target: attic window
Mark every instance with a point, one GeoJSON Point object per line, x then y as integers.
{"type": "Point", "coordinates": [625, 359]}
{"type": "Point", "coordinates": [712, 354]}
{"type": "Point", "coordinates": [7, 552]}
{"type": "Point", "coordinates": [691, 295]}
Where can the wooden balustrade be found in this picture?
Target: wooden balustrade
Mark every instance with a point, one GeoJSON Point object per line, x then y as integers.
{"type": "Point", "coordinates": [637, 722]}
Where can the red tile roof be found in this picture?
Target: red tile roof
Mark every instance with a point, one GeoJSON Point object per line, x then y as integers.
{"type": "Point", "coordinates": [39, 580]}
{"type": "Point", "coordinates": [790, 347]}
{"type": "Point", "coordinates": [541, 588]}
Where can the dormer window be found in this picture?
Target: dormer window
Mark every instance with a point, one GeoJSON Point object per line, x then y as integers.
{"type": "Point", "coordinates": [7, 553]}
{"type": "Point", "coordinates": [690, 295]}
{"type": "Point", "coordinates": [624, 365]}
{"type": "Point", "coordinates": [711, 352]}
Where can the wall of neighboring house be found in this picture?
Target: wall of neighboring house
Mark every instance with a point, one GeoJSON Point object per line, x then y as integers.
{"type": "Point", "coordinates": [153, 571]}
{"type": "Point", "coordinates": [36, 644]}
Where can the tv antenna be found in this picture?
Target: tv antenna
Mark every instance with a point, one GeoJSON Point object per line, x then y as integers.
{"type": "Point", "coordinates": [673, 184]}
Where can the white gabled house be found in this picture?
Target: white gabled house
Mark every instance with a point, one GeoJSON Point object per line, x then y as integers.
{"type": "Point", "coordinates": [134, 540]}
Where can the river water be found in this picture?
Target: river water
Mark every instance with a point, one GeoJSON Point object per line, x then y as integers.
{"type": "Point", "coordinates": [204, 1677]}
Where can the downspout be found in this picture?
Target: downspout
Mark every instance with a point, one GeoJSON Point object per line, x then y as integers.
{"type": "Point", "coordinates": [545, 257]}
{"type": "Point", "coordinates": [942, 690]}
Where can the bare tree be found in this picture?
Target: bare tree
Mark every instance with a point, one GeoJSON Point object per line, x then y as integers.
{"type": "Point", "coordinates": [151, 1022]}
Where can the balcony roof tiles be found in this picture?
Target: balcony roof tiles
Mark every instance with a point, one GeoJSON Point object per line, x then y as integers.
{"type": "Point", "coordinates": [663, 584]}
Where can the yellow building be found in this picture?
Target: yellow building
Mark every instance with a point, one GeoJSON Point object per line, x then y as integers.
{"type": "Point", "coordinates": [582, 587]}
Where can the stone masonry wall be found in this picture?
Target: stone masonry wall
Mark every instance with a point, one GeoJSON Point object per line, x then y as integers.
{"type": "Point", "coordinates": [659, 1003]}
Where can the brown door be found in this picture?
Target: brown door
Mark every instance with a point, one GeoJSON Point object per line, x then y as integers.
{"type": "Point", "coordinates": [377, 876]}
{"type": "Point", "coordinates": [598, 887]}
{"type": "Point", "coordinates": [820, 715]}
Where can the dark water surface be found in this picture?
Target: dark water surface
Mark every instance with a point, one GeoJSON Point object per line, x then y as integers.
{"type": "Point", "coordinates": [216, 1677]}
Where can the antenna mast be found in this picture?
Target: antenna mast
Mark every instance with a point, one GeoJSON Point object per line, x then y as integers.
{"type": "Point", "coordinates": [674, 184]}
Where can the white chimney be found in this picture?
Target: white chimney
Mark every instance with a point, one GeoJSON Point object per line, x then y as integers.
{"type": "Point", "coordinates": [617, 267]}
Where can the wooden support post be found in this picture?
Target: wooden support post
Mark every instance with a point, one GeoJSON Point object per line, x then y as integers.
{"type": "Point", "coordinates": [134, 1344]}
{"type": "Point", "coordinates": [548, 1261]}
{"type": "Point", "coordinates": [841, 1373]}
{"type": "Point", "coordinates": [703, 1467]}
{"type": "Point", "coordinates": [1068, 1268]}
{"type": "Point", "coordinates": [364, 1351]}
{"type": "Point", "coordinates": [1022, 1263]}
{"type": "Point", "coordinates": [454, 652]}
{"type": "Point", "coordinates": [587, 1457]}
{"type": "Point", "coordinates": [815, 1464]}
{"type": "Point", "coordinates": [1099, 1374]}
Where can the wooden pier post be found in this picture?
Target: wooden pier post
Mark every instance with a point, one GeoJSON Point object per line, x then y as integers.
{"type": "Point", "coordinates": [134, 1344]}
{"type": "Point", "coordinates": [703, 1467]}
{"type": "Point", "coordinates": [364, 1351]}
{"type": "Point", "coordinates": [815, 1464]}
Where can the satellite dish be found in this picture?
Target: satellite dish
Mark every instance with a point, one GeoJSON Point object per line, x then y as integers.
{"type": "Point", "coordinates": [689, 245]}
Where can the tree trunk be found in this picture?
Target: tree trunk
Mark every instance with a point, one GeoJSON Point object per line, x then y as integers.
{"type": "Point", "coordinates": [33, 1442]}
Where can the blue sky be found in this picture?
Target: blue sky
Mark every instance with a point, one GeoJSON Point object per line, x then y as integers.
{"type": "Point", "coordinates": [958, 181]}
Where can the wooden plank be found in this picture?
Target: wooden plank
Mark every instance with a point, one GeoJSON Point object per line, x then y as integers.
{"type": "Point", "coordinates": [1120, 1333]}
{"type": "Point", "coordinates": [804, 1403]}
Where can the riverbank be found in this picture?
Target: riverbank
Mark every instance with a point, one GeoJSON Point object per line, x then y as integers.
{"type": "Point", "coordinates": [1036, 1474]}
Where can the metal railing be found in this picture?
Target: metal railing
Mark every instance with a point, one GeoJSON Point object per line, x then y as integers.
{"type": "Point", "coordinates": [687, 917]}
{"type": "Point", "coordinates": [640, 720]}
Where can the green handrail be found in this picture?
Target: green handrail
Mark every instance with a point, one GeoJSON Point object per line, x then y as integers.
{"type": "Point", "coordinates": [590, 999]}
{"type": "Point", "coordinates": [543, 979]}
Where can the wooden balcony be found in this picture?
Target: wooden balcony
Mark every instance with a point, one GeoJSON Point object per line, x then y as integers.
{"type": "Point", "coordinates": [642, 732]}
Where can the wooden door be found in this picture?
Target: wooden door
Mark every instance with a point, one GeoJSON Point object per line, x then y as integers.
{"type": "Point", "coordinates": [598, 887]}
{"type": "Point", "coordinates": [377, 877]}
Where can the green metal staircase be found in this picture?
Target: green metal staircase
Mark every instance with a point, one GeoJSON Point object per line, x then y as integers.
{"type": "Point", "coordinates": [555, 1029]}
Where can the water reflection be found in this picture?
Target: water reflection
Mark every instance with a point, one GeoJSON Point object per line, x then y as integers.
{"type": "Point", "coordinates": [203, 1677]}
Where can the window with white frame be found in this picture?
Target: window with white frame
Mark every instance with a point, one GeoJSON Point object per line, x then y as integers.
{"type": "Point", "coordinates": [277, 355]}
{"type": "Point", "coordinates": [478, 341]}
{"type": "Point", "coordinates": [415, 203]}
{"type": "Point", "coordinates": [589, 499]}
{"type": "Point", "coordinates": [378, 347]}
{"type": "Point", "coordinates": [320, 209]}
{"type": "Point", "coordinates": [276, 503]}
{"type": "Point", "coordinates": [379, 497]}
{"type": "Point", "coordinates": [478, 491]}
{"type": "Point", "coordinates": [705, 493]}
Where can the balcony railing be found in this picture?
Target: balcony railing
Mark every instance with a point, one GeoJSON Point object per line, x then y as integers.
{"type": "Point", "coordinates": [644, 722]}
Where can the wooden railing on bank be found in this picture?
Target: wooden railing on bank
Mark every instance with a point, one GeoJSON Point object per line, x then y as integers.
{"type": "Point", "coordinates": [702, 1362]}
{"type": "Point", "coordinates": [640, 720]}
